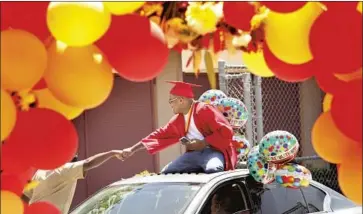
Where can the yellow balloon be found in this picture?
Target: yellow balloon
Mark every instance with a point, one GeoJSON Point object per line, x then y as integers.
{"type": "Point", "coordinates": [11, 203]}
{"type": "Point", "coordinates": [78, 76]}
{"type": "Point", "coordinates": [359, 7]}
{"type": "Point", "coordinates": [78, 23]}
{"type": "Point", "coordinates": [256, 64]}
{"type": "Point", "coordinates": [122, 8]}
{"type": "Point", "coordinates": [47, 100]}
{"type": "Point", "coordinates": [287, 34]}
{"type": "Point", "coordinates": [328, 98]}
{"type": "Point", "coordinates": [8, 114]}
{"type": "Point", "coordinates": [23, 60]}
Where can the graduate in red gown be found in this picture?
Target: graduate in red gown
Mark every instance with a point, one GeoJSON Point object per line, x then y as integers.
{"type": "Point", "coordinates": [209, 135]}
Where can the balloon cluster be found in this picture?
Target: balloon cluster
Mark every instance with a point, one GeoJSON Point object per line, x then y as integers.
{"type": "Point", "coordinates": [235, 111]}
{"type": "Point", "coordinates": [306, 40]}
{"type": "Point", "coordinates": [268, 161]}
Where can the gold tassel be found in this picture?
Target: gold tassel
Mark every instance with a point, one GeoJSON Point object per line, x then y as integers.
{"type": "Point", "coordinates": [197, 59]}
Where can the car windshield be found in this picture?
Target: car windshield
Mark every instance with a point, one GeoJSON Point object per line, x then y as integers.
{"type": "Point", "coordinates": [158, 198]}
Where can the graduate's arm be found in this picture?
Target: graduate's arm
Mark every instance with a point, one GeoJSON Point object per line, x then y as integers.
{"type": "Point", "coordinates": [157, 140]}
{"type": "Point", "coordinates": [222, 131]}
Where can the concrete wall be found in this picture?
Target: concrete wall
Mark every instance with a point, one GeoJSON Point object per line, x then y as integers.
{"type": "Point", "coordinates": [163, 112]}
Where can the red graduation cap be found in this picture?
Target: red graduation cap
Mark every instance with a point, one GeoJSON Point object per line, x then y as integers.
{"type": "Point", "coordinates": [182, 89]}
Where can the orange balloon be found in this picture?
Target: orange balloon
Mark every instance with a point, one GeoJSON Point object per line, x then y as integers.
{"type": "Point", "coordinates": [78, 76]}
{"type": "Point", "coordinates": [11, 203]}
{"type": "Point", "coordinates": [328, 142]}
{"type": "Point", "coordinates": [23, 60]}
{"type": "Point", "coordinates": [8, 114]}
{"type": "Point", "coordinates": [350, 175]}
{"type": "Point", "coordinates": [328, 98]}
{"type": "Point", "coordinates": [46, 99]}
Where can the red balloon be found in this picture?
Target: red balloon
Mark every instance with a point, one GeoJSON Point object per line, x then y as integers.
{"type": "Point", "coordinates": [40, 85]}
{"type": "Point", "coordinates": [239, 14]}
{"type": "Point", "coordinates": [42, 207]}
{"type": "Point", "coordinates": [11, 163]}
{"type": "Point", "coordinates": [336, 41]}
{"type": "Point", "coordinates": [12, 183]}
{"type": "Point", "coordinates": [329, 83]}
{"type": "Point", "coordinates": [284, 7]}
{"type": "Point", "coordinates": [44, 138]}
{"type": "Point", "coordinates": [285, 71]}
{"type": "Point", "coordinates": [346, 110]}
{"type": "Point", "coordinates": [139, 54]}
{"type": "Point", "coordinates": [342, 7]}
{"type": "Point", "coordinates": [28, 16]}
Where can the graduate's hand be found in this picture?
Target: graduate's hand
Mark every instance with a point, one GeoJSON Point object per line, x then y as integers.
{"type": "Point", "coordinates": [126, 153]}
{"type": "Point", "coordinates": [196, 145]}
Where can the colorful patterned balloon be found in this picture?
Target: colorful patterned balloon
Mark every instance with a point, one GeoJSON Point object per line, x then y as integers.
{"type": "Point", "coordinates": [234, 110]}
{"type": "Point", "coordinates": [279, 147]}
{"type": "Point", "coordinates": [242, 145]}
{"type": "Point", "coordinates": [212, 96]}
{"type": "Point", "coordinates": [293, 176]}
{"type": "Point", "coordinates": [260, 170]}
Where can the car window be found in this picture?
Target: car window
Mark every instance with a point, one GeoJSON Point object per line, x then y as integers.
{"type": "Point", "coordinates": [152, 198]}
{"type": "Point", "coordinates": [275, 199]}
{"type": "Point", "coordinates": [230, 198]}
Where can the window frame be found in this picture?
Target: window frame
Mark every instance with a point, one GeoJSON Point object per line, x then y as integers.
{"type": "Point", "coordinates": [217, 186]}
{"type": "Point", "coordinates": [326, 202]}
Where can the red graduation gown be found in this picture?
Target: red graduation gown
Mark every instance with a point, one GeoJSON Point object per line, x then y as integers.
{"type": "Point", "coordinates": [211, 124]}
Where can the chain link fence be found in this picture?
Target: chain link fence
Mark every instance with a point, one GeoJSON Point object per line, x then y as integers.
{"type": "Point", "coordinates": [277, 105]}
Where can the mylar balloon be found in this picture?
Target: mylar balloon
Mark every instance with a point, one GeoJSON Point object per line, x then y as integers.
{"type": "Point", "coordinates": [11, 203]}
{"type": "Point", "coordinates": [8, 114]}
{"type": "Point", "coordinates": [234, 110]}
{"type": "Point", "coordinates": [46, 99]}
{"type": "Point", "coordinates": [78, 76]}
{"type": "Point", "coordinates": [293, 176]}
{"type": "Point", "coordinates": [42, 207]}
{"type": "Point", "coordinates": [23, 60]}
{"type": "Point", "coordinates": [212, 96]}
{"type": "Point", "coordinates": [122, 8]}
{"type": "Point", "coordinates": [28, 16]}
{"type": "Point", "coordinates": [328, 141]}
{"type": "Point", "coordinates": [259, 168]}
{"type": "Point", "coordinates": [279, 146]}
{"type": "Point", "coordinates": [138, 55]}
{"type": "Point", "coordinates": [44, 138]}
{"type": "Point", "coordinates": [78, 23]}
{"type": "Point", "coordinates": [242, 145]}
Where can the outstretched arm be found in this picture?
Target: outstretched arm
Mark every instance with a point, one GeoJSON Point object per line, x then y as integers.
{"type": "Point", "coordinates": [99, 159]}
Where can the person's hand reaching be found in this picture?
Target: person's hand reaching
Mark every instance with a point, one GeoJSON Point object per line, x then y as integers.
{"type": "Point", "coordinates": [126, 153]}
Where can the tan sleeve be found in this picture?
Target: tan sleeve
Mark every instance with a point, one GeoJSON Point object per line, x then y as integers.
{"type": "Point", "coordinates": [73, 171]}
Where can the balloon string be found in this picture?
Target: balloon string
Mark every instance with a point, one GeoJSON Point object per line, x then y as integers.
{"type": "Point", "coordinates": [307, 205]}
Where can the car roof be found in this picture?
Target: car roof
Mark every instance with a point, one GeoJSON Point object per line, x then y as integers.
{"type": "Point", "coordinates": [182, 177]}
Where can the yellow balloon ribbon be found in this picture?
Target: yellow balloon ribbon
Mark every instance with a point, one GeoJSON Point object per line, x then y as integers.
{"type": "Point", "coordinates": [350, 76]}
{"type": "Point", "coordinates": [123, 8]}
{"type": "Point", "coordinates": [256, 64]}
{"type": "Point", "coordinates": [287, 34]}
